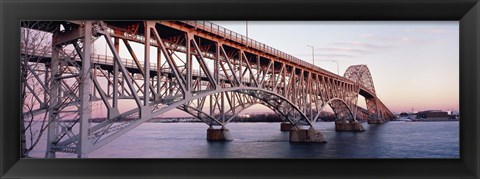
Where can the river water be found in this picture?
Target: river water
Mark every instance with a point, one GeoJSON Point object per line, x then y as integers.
{"type": "Point", "coordinates": [396, 139]}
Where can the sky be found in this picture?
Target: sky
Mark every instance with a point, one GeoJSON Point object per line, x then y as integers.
{"type": "Point", "coordinates": [414, 64]}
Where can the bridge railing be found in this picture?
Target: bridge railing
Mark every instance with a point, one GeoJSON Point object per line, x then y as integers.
{"type": "Point", "coordinates": [46, 51]}
{"type": "Point", "coordinates": [233, 36]}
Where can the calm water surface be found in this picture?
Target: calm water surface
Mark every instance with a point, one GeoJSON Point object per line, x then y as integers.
{"type": "Point", "coordinates": [265, 140]}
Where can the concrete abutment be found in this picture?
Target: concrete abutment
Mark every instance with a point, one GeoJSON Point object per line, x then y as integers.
{"type": "Point", "coordinates": [348, 126]}
{"type": "Point", "coordinates": [222, 134]}
{"type": "Point", "coordinates": [306, 135]}
{"type": "Point", "coordinates": [286, 126]}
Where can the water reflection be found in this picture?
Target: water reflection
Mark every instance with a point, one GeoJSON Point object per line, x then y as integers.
{"type": "Point", "coordinates": [265, 140]}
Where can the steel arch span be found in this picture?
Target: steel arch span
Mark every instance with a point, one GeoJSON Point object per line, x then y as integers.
{"type": "Point", "coordinates": [377, 111]}
{"type": "Point", "coordinates": [201, 68]}
{"type": "Point", "coordinates": [360, 74]}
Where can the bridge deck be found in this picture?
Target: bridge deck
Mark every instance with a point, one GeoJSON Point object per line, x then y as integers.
{"type": "Point", "coordinates": [248, 42]}
{"type": "Point", "coordinates": [117, 29]}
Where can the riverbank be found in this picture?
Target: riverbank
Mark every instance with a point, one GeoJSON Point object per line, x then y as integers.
{"type": "Point", "coordinates": [434, 120]}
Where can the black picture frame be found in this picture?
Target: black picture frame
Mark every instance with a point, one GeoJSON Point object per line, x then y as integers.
{"type": "Point", "coordinates": [467, 12]}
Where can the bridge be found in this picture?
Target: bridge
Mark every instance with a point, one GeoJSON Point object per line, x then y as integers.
{"type": "Point", "coordinates": [201, 68]}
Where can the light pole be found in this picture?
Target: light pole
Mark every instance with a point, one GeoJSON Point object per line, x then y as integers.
{"type": "Point", "coordinates": [246, 28]}
{"type": "Point", "coordinates": [313, 54]}
{"type": "Point", "coordinates": [338, 70]}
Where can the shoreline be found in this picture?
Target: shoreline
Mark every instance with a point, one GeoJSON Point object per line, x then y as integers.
{"type": "Point", "coordinates": [434, 120]}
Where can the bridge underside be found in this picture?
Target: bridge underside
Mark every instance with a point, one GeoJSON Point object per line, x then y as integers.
{"type": "Point", "coordinates": [152, 67]}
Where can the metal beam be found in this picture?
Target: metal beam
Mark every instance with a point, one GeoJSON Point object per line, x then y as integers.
{"type": "Point", "coordinates": [85, 109]}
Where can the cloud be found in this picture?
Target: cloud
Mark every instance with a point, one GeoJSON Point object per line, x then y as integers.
{"type": "Point", "coordinates": [325, 56]}
{"type": "Point", "coordinates": [350, 49]}
{"type": "Point", "coordinates": [362, 45]}
{"type": "Point", "coordinates": [366, 35]}
{"type": "Point", "coordinates": [333, 55]}
{"type": "Point", "coordinates": [393, 39]}
{"type": "Point", "coordinates": [429, 30]}
{"type": "Point", "coordinates": [347, 49]}
{"type": "Point", "coordinates": [343, 49]}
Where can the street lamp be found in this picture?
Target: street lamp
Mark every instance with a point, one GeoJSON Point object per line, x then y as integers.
{"type": "Point", "coordinates": [338, 70]}
{"type": "Point", "coordinates": [246, 28]}
{"type": "Point", "coordinates": [313, 54]}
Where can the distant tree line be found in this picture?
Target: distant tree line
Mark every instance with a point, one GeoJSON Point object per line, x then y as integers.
{"type": "Point", "coordinates": [327, 116]}
{"type": "Point", "coordinates": [272, 117]}
{"type": "Point", "coordinates": [267, 117]}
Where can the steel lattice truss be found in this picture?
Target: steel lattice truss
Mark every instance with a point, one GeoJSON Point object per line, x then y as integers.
{"type": "Point", "coordinates": [203, 69]}
{"type": "Point", "coordinates": [361, 74]}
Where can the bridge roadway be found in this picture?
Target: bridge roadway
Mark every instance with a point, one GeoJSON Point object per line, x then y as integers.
{"type": "Point", "coordinates": [201, 68]}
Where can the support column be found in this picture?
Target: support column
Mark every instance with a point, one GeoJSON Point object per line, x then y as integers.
{"type": "Point", "coordinates": [115, 77]}
{"type": "Point", "coordinates": [286, 126]}
{"type": "Point", "coordinates": [189, 71]}
{"type": "Point", "coordinates": [309, 135]}
{"type": "Point", "coordinates": [146, 63]}
{"type": "Point", "coordinates": [52, 132]}
{"type": "Point", "coordinates": [85, 111]}
{"type": "Point", "coordinates": [348, 126]}
{"type": "Point", "coordinates": [159, 71]}
{"type": "Point", "coordinates": [145, 111]}
{"type": "Point", "coordinates": [216, 67]}
{"type": "Point", "coordinates": [222, 134]}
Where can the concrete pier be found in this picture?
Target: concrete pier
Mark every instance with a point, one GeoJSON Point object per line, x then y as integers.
{"type": "Point", "coordinates": [286, 126]}
{"type": "Point", "coordinates": [376, 121]}
{"type": "Point", "coordinates": [306, 135]}
{"type": "Point", "coordinates": [348, 126]}
{"type": "Point", "coordinates": [222, 134]}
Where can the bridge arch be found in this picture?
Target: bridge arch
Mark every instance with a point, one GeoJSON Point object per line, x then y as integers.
{"type": "Point", "coordinates": [230, 114]}
{"type": "Point", "coordinates": [291, 112]}
{"type": "Point", "coordinates": [341, 109]}
{"type": "Point", "coordinates": [280, 105]}
{"type": "Point", "coordinates": [288, 109]}
{"type": "Point", "coordinates": [247, 106]}
{"type": "Point", "coordinates": [360, 74]}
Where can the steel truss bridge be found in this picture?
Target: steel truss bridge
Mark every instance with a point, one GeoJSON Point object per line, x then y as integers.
{"type": "Point", "coordinates": [201, 68]}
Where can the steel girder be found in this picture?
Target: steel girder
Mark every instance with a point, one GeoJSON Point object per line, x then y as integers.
{"type": "Point", "coordinates": [206, 72]}
{"type": "Point", "coordinates": [361, 74]}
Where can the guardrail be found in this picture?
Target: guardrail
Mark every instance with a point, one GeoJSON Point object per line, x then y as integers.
{"type": "Point", "coordinates": [46, 51]}
{"type": "Point", "coordinates": [233, 36]}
